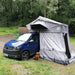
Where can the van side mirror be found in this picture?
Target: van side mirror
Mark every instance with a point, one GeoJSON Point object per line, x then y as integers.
{"type": "Point", "coordinates": [31, 41]}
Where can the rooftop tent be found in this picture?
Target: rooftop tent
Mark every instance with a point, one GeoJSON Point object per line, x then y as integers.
{"type": "Point", "coordinates": [54, 40]}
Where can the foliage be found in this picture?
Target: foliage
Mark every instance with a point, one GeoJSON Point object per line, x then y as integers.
{"type": "Point", "coordinates": [72, 28]}
{"type": "Point", "coordinates": [52, 6]}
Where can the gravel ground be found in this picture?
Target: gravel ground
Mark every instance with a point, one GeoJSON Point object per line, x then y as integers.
{"type": "Point", "coordinates": [73, 48]}
{"type": "Point", "coordinates": [6, 38]}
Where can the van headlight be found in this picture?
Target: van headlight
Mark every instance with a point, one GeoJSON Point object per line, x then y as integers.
{"type": "Point", "coordinates": [17, 48]}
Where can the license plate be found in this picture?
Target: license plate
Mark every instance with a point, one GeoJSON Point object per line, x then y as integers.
{"type": "Point", "coordinates": [6, 54]}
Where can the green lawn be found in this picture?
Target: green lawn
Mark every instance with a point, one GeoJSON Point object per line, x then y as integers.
{"type": "Point", "coordinates": [72, 40]}
{"type": "Point", "coordinates": [8, 30]}
{"type": "Point", "coordinates": [32, 67]}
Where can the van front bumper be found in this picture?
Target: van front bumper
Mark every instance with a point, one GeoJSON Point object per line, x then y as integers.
{"type": "Point", "coordinates": [12, 53]}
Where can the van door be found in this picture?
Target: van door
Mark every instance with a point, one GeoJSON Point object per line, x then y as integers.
{"type": "Point", "coordinates": [34, 43]}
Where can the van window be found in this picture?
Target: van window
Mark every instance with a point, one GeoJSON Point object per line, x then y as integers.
{"type": "Point", "coordinates": [23, 37]}
{"type": "Point", "coordinates": [34, 37]}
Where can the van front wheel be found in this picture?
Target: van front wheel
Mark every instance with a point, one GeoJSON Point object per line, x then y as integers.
{"type": "Point", "coordinates": [25, 55]}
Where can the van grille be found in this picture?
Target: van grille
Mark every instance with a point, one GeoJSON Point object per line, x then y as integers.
{"type": "Point", "coordinates": [9, 48]}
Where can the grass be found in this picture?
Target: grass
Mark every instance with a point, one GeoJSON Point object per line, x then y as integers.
{"type": "Point", "coordinates": [8, 30]}
{"type": "Point", "coordinates": [72, 40]}
{"type": "Point", "coordinates": [32, 67]}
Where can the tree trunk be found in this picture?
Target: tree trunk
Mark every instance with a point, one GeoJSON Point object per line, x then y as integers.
{"type": "Point", "coordinates": [45, 2]}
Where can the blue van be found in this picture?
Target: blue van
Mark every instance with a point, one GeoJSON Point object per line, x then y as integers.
{"type": "Point", "coordinates": [23, 46]}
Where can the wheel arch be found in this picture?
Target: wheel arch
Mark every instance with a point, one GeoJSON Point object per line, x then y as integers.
{"type": "Point", "coordinates": [26, 50]}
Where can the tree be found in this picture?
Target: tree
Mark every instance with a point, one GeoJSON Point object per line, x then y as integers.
{"type": "Point", "coordinates": [52, 6]}
{"type": "Point", "coordinates": [45, 5]}
{"type": "Point", "coordinates": [63, 10]}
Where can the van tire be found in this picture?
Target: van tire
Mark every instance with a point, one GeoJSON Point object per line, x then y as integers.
{"type": "Point", "coordinates": [25, 55]}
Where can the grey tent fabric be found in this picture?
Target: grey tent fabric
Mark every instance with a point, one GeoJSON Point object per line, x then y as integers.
{"type": "Point", "coordinates": [52, 46]}
{"type": "Point", "coordinates": [54, 40]}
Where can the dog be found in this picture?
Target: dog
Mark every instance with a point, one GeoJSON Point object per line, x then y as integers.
{"type": "Point", "coordinates": [36, 57]}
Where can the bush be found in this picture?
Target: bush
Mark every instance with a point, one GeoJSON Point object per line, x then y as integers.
{"type": "Point", "coordinates": [72, 28]}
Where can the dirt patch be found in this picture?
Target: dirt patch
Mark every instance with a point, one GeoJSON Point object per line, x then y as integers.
{"type": "Point", "coordinates": [72, 48]}
{"type": "Point", "coordinates": [23, 30]}
{"type": "Point", "coordinates": [19, 69]}
{"type": "Point", "coordinates": [4, 39]}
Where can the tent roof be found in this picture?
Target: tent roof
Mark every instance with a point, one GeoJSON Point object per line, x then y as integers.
{"type": "Point", "coordinates": [47, 23]}
{"type": "Point", "coordinates": [43, 19]}
{"type": "Point", "coordinates": [49, 20]}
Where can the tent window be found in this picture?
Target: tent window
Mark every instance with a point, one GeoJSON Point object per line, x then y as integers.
{"type": "Point", "coordinates": [67, 47]}
{"type": "Point", "coordinates": [35, 27]}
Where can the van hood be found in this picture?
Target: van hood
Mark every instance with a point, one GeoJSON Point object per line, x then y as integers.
{"type": "Point", "coordinates": [14, 43]}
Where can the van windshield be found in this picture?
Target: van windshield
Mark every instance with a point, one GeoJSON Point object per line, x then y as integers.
{"type": "Point", "coordinates": [23, 37]}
